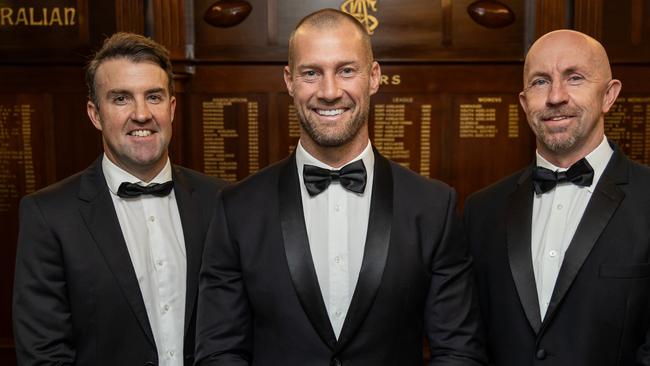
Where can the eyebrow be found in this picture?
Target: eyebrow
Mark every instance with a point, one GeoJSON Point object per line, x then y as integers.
{"type": "Point", "coordinates": [317, 66]}
{"type": "Point", "coordinates": [124, 91]}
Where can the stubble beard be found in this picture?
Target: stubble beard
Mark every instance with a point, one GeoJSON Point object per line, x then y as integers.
{"type": "Point", "coordinates": [321, 137]}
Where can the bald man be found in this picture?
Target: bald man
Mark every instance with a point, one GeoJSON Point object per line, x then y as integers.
{"type": "Point", "coordinates": [335, 255]}
{"type": "Point", "coordinates": [562, 247]}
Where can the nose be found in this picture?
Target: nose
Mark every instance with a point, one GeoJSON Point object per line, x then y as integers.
{"type": "Point", "coordinates": [141, 111]}
{"type": "Point", "coordinates": [329, 89]}
{"type": "Point", "coordinates": [557, 95]}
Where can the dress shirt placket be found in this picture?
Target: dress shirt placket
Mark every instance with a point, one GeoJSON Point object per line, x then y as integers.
{"type": "Point", "coordinates": [338, 256]}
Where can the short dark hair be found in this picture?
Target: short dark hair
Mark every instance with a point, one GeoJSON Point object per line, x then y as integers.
{"type": "Point", "coordinates": [133, 47]}
{"type": "Point", "coordinates": [330, 18]}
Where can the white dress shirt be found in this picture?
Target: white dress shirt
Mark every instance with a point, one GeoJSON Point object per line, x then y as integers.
{"type": "Point", "coordinates": [556, 215]}
{"type": "Point", "coordinates": [154, 238]}
{"type": "Point", "coordinates": [337, 224]}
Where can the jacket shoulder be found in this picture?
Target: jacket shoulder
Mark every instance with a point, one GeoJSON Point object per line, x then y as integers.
{"type": "Point", "coordinates": [497, 190]}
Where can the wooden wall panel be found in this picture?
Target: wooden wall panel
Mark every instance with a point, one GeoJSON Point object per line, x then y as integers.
{"type": "Point", "coordinates": [405, 31]}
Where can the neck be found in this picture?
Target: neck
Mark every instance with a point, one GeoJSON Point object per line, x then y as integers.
{"type": "Point", "coordinates": [337, 156]}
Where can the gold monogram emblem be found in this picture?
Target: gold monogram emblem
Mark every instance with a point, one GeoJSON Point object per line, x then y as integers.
{"type": "Point", "coordinates": [359, 9]}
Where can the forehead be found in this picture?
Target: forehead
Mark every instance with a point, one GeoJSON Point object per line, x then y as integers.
{"type": "Point", "coordinates": [122, 73]}
{"type": "Point", "coordinates": [559, 56]}
{"type": "Point", "coordinates": [341, 43]}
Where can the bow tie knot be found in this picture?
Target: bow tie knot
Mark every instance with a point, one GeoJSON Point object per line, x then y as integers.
{"type": "Point", "coordinates": [132, 190]}
{"type": "Point", "coordinates": [351, 177]}
{"type": "Point", "coordinates": [580, 174]}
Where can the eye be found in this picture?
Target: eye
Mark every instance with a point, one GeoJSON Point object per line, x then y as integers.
{"type": "Point", "coordinates": [155, 98]}
{"type": "Point", "coordinates": [120, 99]}
{"type": "Point", "coordinates": [309, 75]}
{"type": "Point", "coordinates": [347, 71]}
{"type": "Point", "coordinates": [575, 79]}
{"type": "Point", "coordinates": [539, 82]}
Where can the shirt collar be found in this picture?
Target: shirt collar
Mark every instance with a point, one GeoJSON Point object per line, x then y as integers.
{"type": "Point", "coordinates": [116, 175]}
{"type": "Point", "coordinates": [597, 158]}
{"type": "Point", "coordinates": [303, 157]}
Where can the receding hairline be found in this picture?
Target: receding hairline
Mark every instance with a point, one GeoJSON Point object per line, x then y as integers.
{"type": "Point", "coordinates": [598, 52]}
{"type": "Point", "coordinates": [326, 19]}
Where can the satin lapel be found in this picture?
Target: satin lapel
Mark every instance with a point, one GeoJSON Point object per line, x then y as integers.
{"type": "Point", "coordinates": [604, 201]}
{"type": "Point", "coordinates": [296, 247]}
{"type": "Point", "coordinates": [189, 210]}
{"type": "Point", "coordinates": [375, 251]}
{"type": "Point", "coordinates": [100, 218]}
{"type": "Point", "coordinates": [519, 216]}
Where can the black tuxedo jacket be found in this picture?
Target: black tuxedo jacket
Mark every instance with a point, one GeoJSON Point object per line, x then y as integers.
{"type": "Point", "coordinates": [600, 308]}
{"type": "Point", "coordinates": [260, 301]}
{"type": "Point", "coordinates": [76, 295]}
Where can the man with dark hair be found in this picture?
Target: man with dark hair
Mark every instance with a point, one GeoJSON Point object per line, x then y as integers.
{"type": "Point", "coordinates": [108, 259]}
{"type": "Point", "coordinates": [351, 258]}
{"type": "Point", "coordinates": [562, 246]}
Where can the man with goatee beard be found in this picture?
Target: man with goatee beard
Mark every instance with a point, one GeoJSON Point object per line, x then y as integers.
{"type": "Point", "coordinates": [562, 247]}
{"type": "Point", "coordinates": [336, 255]}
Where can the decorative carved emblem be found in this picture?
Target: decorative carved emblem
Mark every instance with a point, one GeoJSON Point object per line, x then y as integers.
{"type": "Point", "coordinates": [359, 9]}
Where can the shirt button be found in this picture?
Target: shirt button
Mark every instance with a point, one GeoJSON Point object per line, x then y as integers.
{"type": "Point", "coordinates": [171, 354]}
{"type": "Point", "coordinates": [159, 263]}
{"type": "Point", "coordinates": [166, 308]}
{"type": "Point", "coordinates": [337, 259]}
{"type": "Point", "coordinates": [559, 206]}
{"type": "Point", "coordinates": [337, 314]}
{"type": "Point", "coordinates": [552, 253]}
{"type": "Point", "coordinates": [152, 218]}
{"type": "Point", "coordinates": [337, 208]}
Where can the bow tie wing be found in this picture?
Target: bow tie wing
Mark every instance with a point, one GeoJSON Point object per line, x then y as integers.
{"type": "Point", "coordinates": [353, 176]}
{"type": "Point", "coordinates": [316, 179]}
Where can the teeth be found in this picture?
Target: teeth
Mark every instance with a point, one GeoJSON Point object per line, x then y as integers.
{"type": "Point", "coordinates": [330, 112]}
{"type": "Point", "coordinates": [140, 133]}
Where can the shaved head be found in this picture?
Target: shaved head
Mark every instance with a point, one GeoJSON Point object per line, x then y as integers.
{"type": "Point", "coordinates": [327, 19]}
{"type": "Point", "coordinates": [594, 53]}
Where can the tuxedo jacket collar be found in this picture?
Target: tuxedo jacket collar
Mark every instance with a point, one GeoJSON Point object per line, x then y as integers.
{"type": "Point", "coordinates": [301, 265]}
{"type": "Point", "coordinates": [101, 220]}
{"type": "Point", "coordinates": [606, 197]}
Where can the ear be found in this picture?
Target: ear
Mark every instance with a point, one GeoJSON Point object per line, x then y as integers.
{"type": "Point", "coordinates": [611, 93]}
{"type": "Point", "coordinates": [523, 101]}
{"type": "Point", "coordinates": [93, 114]}
{"type": "Point", "coordinates": [288, 80]}
{"type": "Point", "coordinates": [375, 77]}
{"type": "Point", "coordinates": [172, 107]}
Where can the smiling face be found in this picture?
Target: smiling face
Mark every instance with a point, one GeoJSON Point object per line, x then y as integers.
{"type": "Point", "coordinates": [567, 90]}
{"type": "Point", "coordinates": [135, 115]}
{"type": "Point", "coordinates": [331, 80]}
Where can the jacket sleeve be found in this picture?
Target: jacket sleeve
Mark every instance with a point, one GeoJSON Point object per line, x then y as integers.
{"type": "Point", "coordinates": [452, 316]}
{"type": "Point", "coordinates": [224, 318]}
{"type": "Point", "coordinates": [41, 311]}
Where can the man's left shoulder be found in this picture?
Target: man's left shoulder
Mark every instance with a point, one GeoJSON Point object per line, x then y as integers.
{"type": "Point", "coordinates": [198, 180]}
{"type": "Point", "coordinates": [410, 181]}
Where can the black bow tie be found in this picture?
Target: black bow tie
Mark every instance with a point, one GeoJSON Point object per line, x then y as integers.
{"type": "Point", "coordinates": [580, 173]}
{"type": "Point", "coordinates": [131, 190]}
{"type": "Point", "coordinates": [352, 177]}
